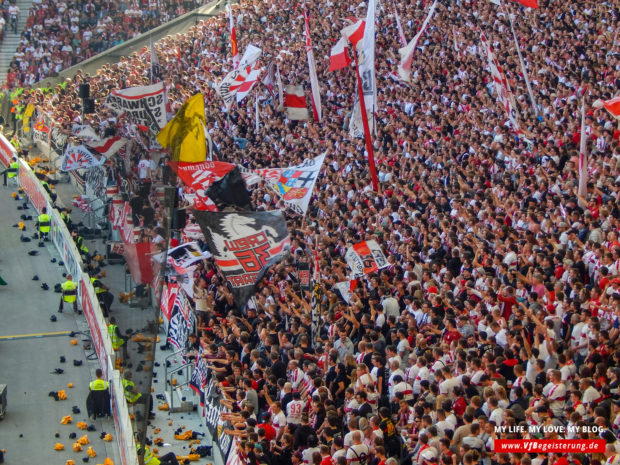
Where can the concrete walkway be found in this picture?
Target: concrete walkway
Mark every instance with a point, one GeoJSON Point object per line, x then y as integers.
{"type": "Point", "coordinates": [30, 350]}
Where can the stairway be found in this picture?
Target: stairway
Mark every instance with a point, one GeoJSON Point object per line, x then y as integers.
{"type": "Point", "coordinates": [11, 40]}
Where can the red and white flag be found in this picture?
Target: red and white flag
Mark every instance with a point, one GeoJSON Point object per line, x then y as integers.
{"type": "Point", "coordinates": [406, 53]}
{"type": "Point", "coordinates": [234, 51]}
{"type": "Point", "coordinates": [233, 80]}
{"type": "Point", "coordinates": [108, 146]}
{"type": "Point", "coordinates": [295, 106]}
{"type": "Point", "coordinates": [500, 83]}
{"type": "Point", "coordinates": [244, 88]}
{"type": "Point", "coordinates": [339, 58]}
{"type": "Point", "coordinates": [612, 106]}
{"type": "Point", "coordinates": [355, 32]}
{"type": "Point", "coordinates": [529, 3]}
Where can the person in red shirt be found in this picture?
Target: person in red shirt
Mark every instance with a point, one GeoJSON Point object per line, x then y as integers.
{"type": "Point", "coordinates": [507, 297]}
{"type": "Point", "coordinates": [451, 333]}
{"type": "Point", "coordinates": [270, 431]}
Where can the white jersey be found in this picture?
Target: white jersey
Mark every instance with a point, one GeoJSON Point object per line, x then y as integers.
{"type": "Point", "coordinates": [293, 411]}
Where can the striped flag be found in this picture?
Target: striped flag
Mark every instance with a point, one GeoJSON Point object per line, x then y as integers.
{"type": "Point", "coordinates": [355, 32]}
{"type": "Point", "coordinates": [295, 106]}
{"type": "Point", "coordinates": [108, 146]}
{"type": "Point", "coordinates": [316, 295]}
{"type": "Point", "coordinates": [583, 158]}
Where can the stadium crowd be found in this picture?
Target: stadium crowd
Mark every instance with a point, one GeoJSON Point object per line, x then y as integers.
{"type": "Point", "coordinates": [61, 34]}
{"type": "Point", "coordinates": [501, 300]}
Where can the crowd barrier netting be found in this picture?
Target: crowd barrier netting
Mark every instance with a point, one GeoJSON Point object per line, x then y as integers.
{"type": "Point", "coordinates": [86, 294]}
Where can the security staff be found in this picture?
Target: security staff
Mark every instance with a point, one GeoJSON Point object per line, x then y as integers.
{"type": "Point", "coordinates": [44, 222]}
{"type": "Point", "coordinates": [69, 294]}
{"type": "Point", "coordinates": [117, 338]}
{"type": "Point", "coordinates": [149, 458]}
{"type": "Point", "coordinates": [98, 384]}
{"type": "Point", "coordinates": [64, 215]}
{"type": "Point", "coordinates": [131, 393]}
{"type": "Point", "coordinates": [98, 400]}
{"type": "Point", "coordinates": [45, 183]}
{"type": "Point", "coordinates": [79, 243]}
{"type": "Point", "coordinates": [104, 296]}
{"type": "Point", "coordinates": [12, 170]}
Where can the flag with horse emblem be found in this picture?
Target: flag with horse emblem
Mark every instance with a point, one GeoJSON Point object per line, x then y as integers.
{"type": "Point", "coordinates": [245, 246]}
{"type": "Point", "coordinates": [79, 157]}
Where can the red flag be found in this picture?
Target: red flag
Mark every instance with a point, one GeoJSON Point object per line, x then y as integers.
{"type": "Point", "coordinates": [354, 32]}
{"type": "Point", "coordinates": [613, 106]}
{"type": "Point", "coordinates": [339, 58]}
{"type": "Point", "coordinates": [529, 3]}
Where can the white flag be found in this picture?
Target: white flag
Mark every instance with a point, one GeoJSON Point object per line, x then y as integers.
{"type": "Point", "coordinates": [406, 53]}
{"type": "Point", "coordinates": [84, 132]}
{"type": "Point", "coordinates": [314, 80]}
{"type": "Point", "coordinates": [366, 69]}
{"type": "Point", "coordinates": [295, 183]}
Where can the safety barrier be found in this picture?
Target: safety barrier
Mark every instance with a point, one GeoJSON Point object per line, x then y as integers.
{"type": "Point", "coordinates": [94, 316]}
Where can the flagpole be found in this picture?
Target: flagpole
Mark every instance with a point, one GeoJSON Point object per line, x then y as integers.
{"type": "Point", "coordinates": [367, 135]}
{"type": "Point", "coordinates": [583, 157]}
{"type": "Point", "coordinates": [523, 68]}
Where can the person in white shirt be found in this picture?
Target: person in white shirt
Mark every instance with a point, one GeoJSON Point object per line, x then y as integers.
{"type": "Point", "coordinates": [423, 375]}
{"type": "Point", "coordinates": [590, 394]}
{"type": "Point", "coordinates": [294, 409]}
{"type": "Point", "coordinates": [278, 419]}
{"type": "Point", "coordinates": [497, 414]}
{"type": "Point", "coordinates": [358, 453]}
{"type": "Point", "coordinates": [555, 391]}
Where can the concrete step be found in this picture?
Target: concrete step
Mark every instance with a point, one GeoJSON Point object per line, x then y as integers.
{"type": "Point", "coordinates": [9, 45]}
{"type": "Point", "coordinates": [184, 399]}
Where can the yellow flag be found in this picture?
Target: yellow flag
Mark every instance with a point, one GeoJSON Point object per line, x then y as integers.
{"type": "Point", "coordinates": [27, 114]}
{"type": "Point", "coordinates": [185, 133]}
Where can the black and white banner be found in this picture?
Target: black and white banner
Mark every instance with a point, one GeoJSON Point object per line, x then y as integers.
{"type": "Point", "coordinates": [144, 105]}
{"type": "Point", "coordinates": [85, 132]}
{"type": "Point", "coordinates": [95, 182]}
{"type": "Point", "coordinates": [245, 245]}
{"type": "Point", "coordinates": [185, 255]}
{"type": "Point", "coordinates": [177, 329]}
{"type": "Point", "coordinates": [58, 140]}
{"type": "Point", "coordinates": [79, 157]}
{"type": "Point", "coordinates": [199, 376]}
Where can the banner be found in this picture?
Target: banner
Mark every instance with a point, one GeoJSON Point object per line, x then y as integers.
{"type": "Point", "coordinates": [40, 132]}
{"type": "Point", "coordinates": [365, 257]}
{"type": "Point", "coordinates": [295, 183]}
{"type": "Point", "coordinates": [185, 255]}
{"type": "Point", "coordinates": [7, 151]}
{"type": "Point", "coordinates": [212, 413]}
{"type": "Point", "coordinates": [58, 140]}
{"type": "Point", "coordinates": [245, 245]}
{"type": "Point", "coordinates": [85, 132]}
{"type": "Point", "coordinates": [177, 329]}
{"type": "Point", "coordinates": [500, 84]}
{"type": "Point", "coordinates": [199, 376]}
{"type": "Point", "coordinates": [79, 157]}
{"type": "Point", "coordinates": [366, 74]}
{"type": "Point", "coordinates": [343, 289]}
{"type": "Point", "coordinates": [108, 146]}
{"type": "Point", "coordinates": [95, 328]}
{"type": "Point", "coordinates": [314, 81]}
{"type": "Point", "coordinates": [231, 82]}
{"type": "Point", "coordinates": [168, 297]}
{"type": "Point", "coordinates": [144, 105]}
{"type": "Point", "coordinates": [303, 274]}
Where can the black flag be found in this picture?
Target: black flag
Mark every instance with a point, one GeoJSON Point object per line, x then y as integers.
{"type": "Point", "coordinates": [230, 191]}
{"type": "Point", "coordinates": [245, 246]}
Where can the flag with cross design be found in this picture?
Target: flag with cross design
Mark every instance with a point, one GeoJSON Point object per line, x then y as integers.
{"type": "Point", "coordinates": [294, 185]}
